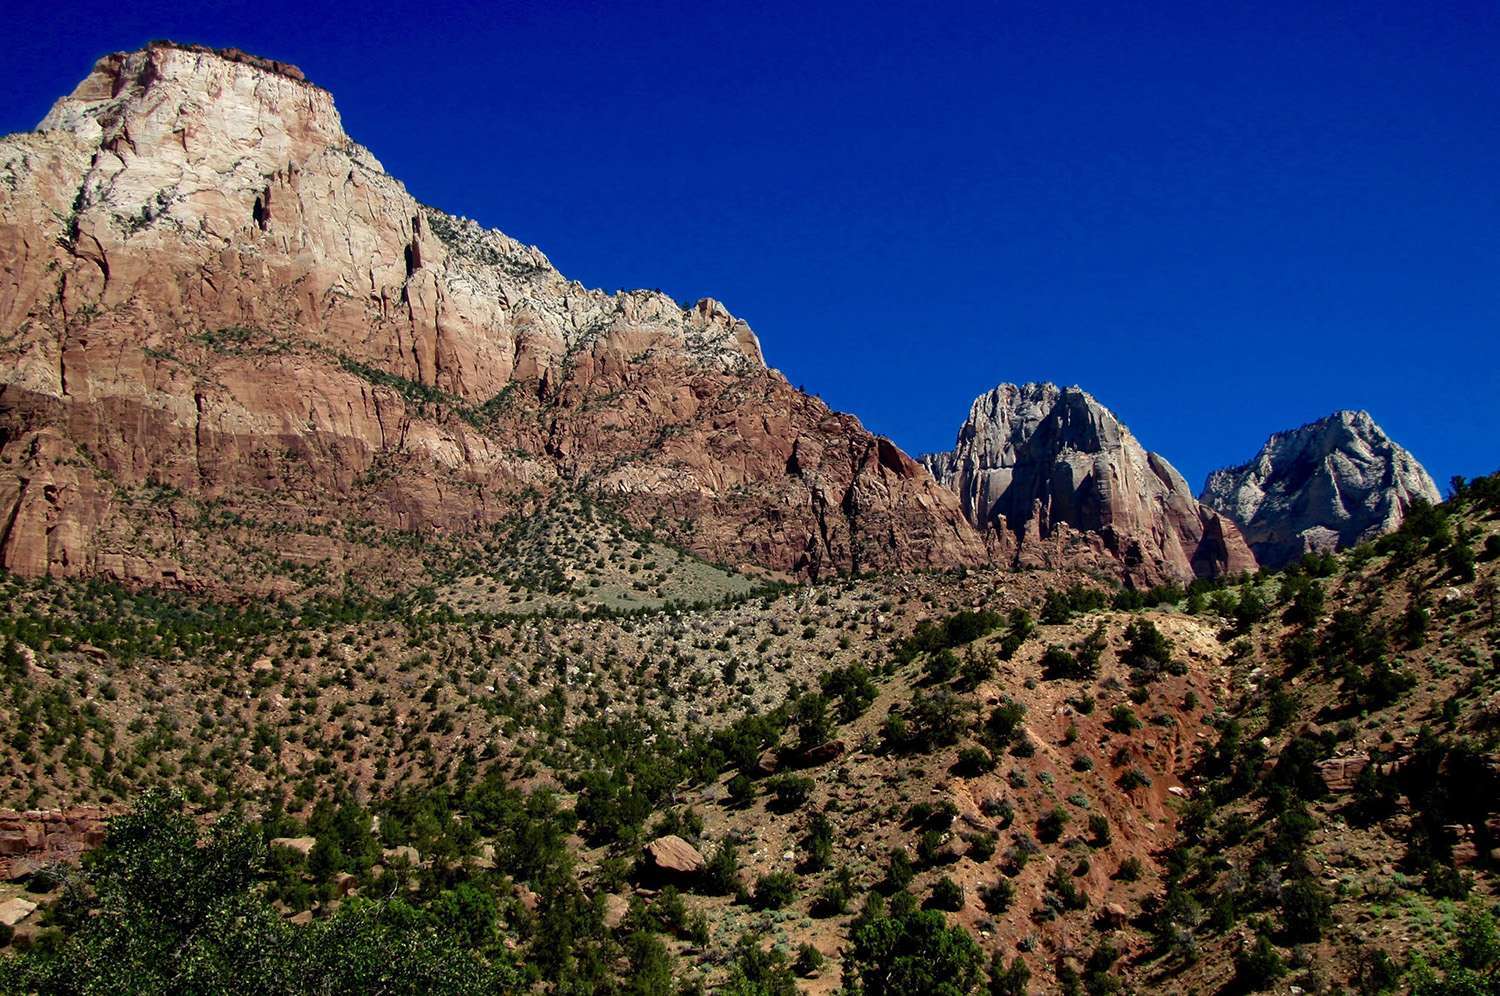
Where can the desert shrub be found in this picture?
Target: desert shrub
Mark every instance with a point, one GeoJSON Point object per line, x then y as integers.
{"type": "Point", "coordinates": [721, 876]}
{"type": "Point", "coordinates": [946, 895]}
{"type": "Point", "coordinates": [973, 761]}
{"type": "Point", "coordinates": [1014, 980]}
{"type": "Point", "coordinates": [1004, 723]}
{"type": "Point", "coordinates": [809, 960]}
{"type": "Point", "coordinates": [774, 890]}
{"type": "Point", "coordinates": [998, 896]}
{"type": "Point", "coordinates": [852, 688]}
{"type": "Point", "coordinates": [898, 873]}
{"type": "Point", "coordinates": [790, 791]}
{"type": "Point", "coordinates": [1122, 719]}
{"type": "Point", "coordinates": [1258, 965]}
{"type": "Point", "coordinates": [1051, 824]}
{"type": "Point", "coordinates": [1306, 910]}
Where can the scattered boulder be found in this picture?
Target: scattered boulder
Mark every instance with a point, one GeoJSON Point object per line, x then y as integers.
{"type": "Point", "coordinates": [410, 855]}
{"type": "Point", "coordinates": [675, 856]}
{"type": "Point", "coordinates": [615, 909]}
{"type": "Point", "coordinates": [13, 911]}
{"type": "Point", "coordinates": [298, 845]}
{"type": "Point", "coordinates": [1340, 773]}
{"type": "Point", "coordinates": [23, 868]}
{"type": "Point", "coordinates": [823, 753]}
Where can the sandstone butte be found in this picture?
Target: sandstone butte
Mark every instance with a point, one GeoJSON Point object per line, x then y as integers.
{"type": "Point", "coordinates": [222, 320]}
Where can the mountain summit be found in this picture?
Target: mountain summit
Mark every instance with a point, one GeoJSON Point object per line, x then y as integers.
{"type": "Point", "coordinates": [1053, 476]}
{"type": "Point", "coordinates": [230, 338]}
{"type": "Point", "coordinates": [1328, 484]}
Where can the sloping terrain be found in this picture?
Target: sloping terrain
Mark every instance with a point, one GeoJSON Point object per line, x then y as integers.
{"type": "Point", "coordinates": [887, 785]}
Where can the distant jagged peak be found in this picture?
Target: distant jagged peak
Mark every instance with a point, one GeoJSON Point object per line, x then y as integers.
{"type": "Point", "coordinates": [1327, 484]}
{"type": "Point", "coordinates": [1044, 468]}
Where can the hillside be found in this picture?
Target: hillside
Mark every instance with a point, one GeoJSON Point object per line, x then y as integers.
{"type": "Point", "coordinates": [1231, 788]}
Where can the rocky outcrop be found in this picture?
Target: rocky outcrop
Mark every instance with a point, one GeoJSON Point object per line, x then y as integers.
{"type": "Point", "coordinates": [225, 328]}
{"type": "Point", "coordinates": [1053, 477]}
{"type": "Point", "coordinates": [1329, 484]}
{"type": "Point", "coordinates": [35, 838]}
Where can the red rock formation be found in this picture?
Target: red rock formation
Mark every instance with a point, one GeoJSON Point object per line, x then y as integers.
{"type": "Point", "coordinates": [219, 314]}
{"type": "Point", "coordinates": [35, 838]}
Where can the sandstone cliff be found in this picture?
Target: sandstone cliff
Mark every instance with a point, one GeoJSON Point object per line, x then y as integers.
{"type": "Point", "coordinates": [229, 339]}
{"type": "Point", "coordinates": [1053, 476]}
{"type": "Point", "coordinates": [1326, 485]}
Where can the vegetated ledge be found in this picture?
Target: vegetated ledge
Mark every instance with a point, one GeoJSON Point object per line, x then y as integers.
{"type": "Point", "coordinates": [274, 66]}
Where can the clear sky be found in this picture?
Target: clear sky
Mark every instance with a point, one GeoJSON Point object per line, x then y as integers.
{"type": "Point", "coordinates": [1221, 219]}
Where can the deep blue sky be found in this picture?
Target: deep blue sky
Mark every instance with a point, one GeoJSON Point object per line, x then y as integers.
{"type": "Point", "coordinates": [1220, 219]}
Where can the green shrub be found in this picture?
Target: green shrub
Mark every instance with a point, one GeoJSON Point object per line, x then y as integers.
{"type": "Point", "coordinates": [946, 895]}
{"type": "Point", "coordinates": [809, 960]}
{"type": "Point", "coordinates": [774, 890]}
{"type": "Point", "coordinates": [998, 896]}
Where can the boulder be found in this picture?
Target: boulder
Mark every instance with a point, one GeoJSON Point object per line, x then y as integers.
{"type": "Point", "coordinates": [1339, 774]}
{"type": "Point", "coordinates": [1113, 916]}
{"type": "Point", "coordinates": [13, 911]}
{"type": "Point", "coordinates": [297, 845]}
{"type": "Point", "coordinates": [768, 763]}
{"type": "Point", "coordinates": [823, 753]}
{"type": "Point", "coordinates": [675, 856]}
{"type": "Point", "coordinates": [615, 910]}
{"type": "Point", "coordinates": [23, 868]}
{"type": "Point", "coordinates": [404, 853]}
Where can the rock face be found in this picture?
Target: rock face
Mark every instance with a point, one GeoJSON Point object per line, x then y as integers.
{"type": "Point", "coordinates": [1326, 485]}
{"type": "Point", "coordinates": [1052, 476]}
{"type": "Point", "coordinates": [224, 328]}
{"type": "Point", "coordinates": [34, 838]}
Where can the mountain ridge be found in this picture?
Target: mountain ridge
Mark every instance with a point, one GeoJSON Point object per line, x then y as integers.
{"type": "Point", "coordinates": [215, 289]}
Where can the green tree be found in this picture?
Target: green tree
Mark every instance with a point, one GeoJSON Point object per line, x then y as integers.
{"type": "Point", "coordinates": [913, 954]}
